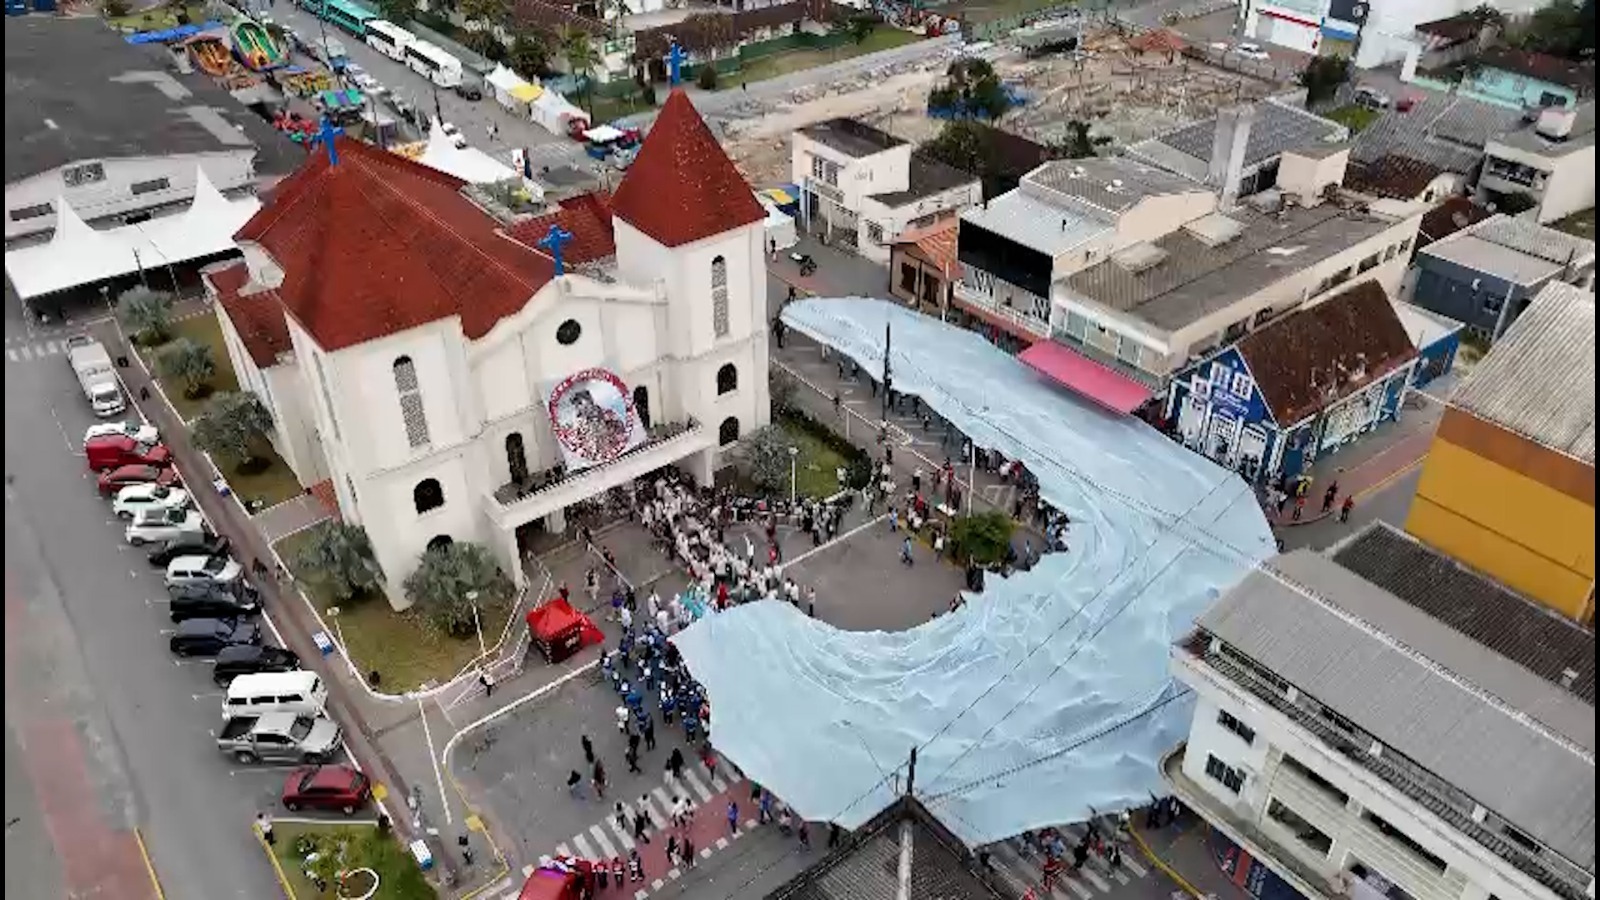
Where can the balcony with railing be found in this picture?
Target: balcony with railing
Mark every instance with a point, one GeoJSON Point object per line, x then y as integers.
{"type": "Point", "coordinates": [556, 488]}
{"type": "Point", "coordinates": [1444, 800]}
{"type": "Point", "coordinates": [986, 305]}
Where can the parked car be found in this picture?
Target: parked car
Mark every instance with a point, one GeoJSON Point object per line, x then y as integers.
{"type": "Point", "coordinates": [250, 659]}
{"type": "Point", "coordinates": [139, 497]}
{"type": "Point", "coordinates": [367, 84]}
{"type": "Point", "coordinates": [114, 450]}
{"type": "Point", "coordinates": [469, 90]}
{"type": "Point", "coordinates": [280, 736]}
{"type": "Point", "coordinates": [186, 544]}
{"type": "Point", "coordinates": [212, 601]}
{"type": "Point", "coordinates": [1372, 99]}
{"type": "Point", "coordinates": [1250, 50]}
{"type": "Point", "coordinates": [113, 480]}
{"type": "Point", "coordinates": [139, 431]}
{"type": "Point", "coordinates": [404, 109]}
{"type": "Point", "coordinates": [207, 637]}
{"type": "Point", "coordinates": [200, 568]}
{"type": "Point", "coordinates": [326, 787]}
{"type": "Point", "coordinates": [454, 134]}
{"type": "Point", "coordinates": [152, 525]}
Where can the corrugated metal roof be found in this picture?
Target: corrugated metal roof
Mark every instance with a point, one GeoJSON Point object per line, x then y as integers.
{"type": "Point", "coordinates": [1277, 127]}
{"type": "Point", "coordinates": [1444, 130]}
{"type": "Point", "coordinates": [1513, 248]}
{"type": "Point", "coordinates": [1423, 689]}
{"type": "Point", "coordinates": [1034, 223]}
{"type": "Point", "coordinates": [1539, 379]}
{"type": "Point", "coordinates": [1112, 184]}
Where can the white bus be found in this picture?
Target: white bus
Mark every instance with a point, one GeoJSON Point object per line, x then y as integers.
{"type": "Point", "coordinates": [389, 39]}
{"type": "Point", "coordinates": [438, 66]}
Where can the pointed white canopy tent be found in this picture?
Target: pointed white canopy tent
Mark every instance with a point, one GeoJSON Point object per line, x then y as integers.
{"type": "Point", "coordinates": [78, 255]}
{"type": "Point", "coordinates": [466, 163]}
{"type": "Point", "coordinates": [511, 90]}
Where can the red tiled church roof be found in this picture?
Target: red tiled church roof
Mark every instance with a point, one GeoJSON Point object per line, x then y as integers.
{"type": "Point", "coordinates": [379, 244]}
{"type": "Point", "coordinates": [257, 317]}
{"type": "Point", "coordinates": [587, 217]}
{"type": "Point", "coordinates": [682, 187]}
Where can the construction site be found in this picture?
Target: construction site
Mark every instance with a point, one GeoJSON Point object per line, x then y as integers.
{"type": "Point", "coordinates": [1127, 90]}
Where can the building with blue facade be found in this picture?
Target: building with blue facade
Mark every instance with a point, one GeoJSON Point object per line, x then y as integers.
{"type": "Point", "coordinates": [1436, 338]}
{"type": "Point", "coordinates": [1299, 388]}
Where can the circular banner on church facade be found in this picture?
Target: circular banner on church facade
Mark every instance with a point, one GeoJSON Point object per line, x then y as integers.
{"type": "Point", "coordinates": [593, 417]}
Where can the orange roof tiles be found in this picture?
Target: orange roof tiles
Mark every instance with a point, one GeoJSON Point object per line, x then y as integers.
{"type": "Point", "coordinates": [936, 244]}
{"type": "Point", "coordinates": [379, 244]}
{"type": "Point", "coordinates": [587, 217]}
{"type": "Point", "coordinates": [257, 317]}
{"type": "Point", "coordinates": [682, 187]}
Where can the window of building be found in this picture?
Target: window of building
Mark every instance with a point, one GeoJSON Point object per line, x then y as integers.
{"type": "Point", "coordinates": [1493, 303]}
{"type": "Point", "coordinates": [87, 173]}
{"type": "Point", "coordinates": [327, 398]}
{"type": "Point", "coordinates": [439, 542]}
{"type": "Point", "coordinates": [1077, 326]}
{"type": "Point", "coordinates": [150, 187]}
{"type": "Point", "coordinates": [1224, 774]}
{"type": "Point", "coordinates": [719, 296]}
{"type": "Point", "coordinates": [1405, 245]}
{"type": "Point", "coordinates": [405, 384]}
{"type": "Point", "coordinates": [1518, 837]}
{"type": "Point", "coordinates": [1231, 723]}
{"type": "Point", "coordinates": [568, 332]}
{"type": "Point", "coordinates": [1389, 253]}
{"type": "Point", "coordinates": [727, 379]}
{"type": "Point", "coordinates": [1129, 351]}
{"type": "Point", "coordinates": [1308, 834]}
{"type": "Point", "coordinates": [875, 233]}
{"type": "Point", "coordinates": [427, 495]}
{"type": "Point", "coordinates": [1367, 264]}
{"type": "Point", "coordinates": [818, 167]}
{"type": "Point", "coordinates": [1400, 837]}
{"type": "Point", "coordinates": [1304, 771]}
{"type": "Point", "coordinates": [23, 213]}
{"type": "Point", "coordinates": [908, 277]}
{"type": "Point", "coordinates": [1241, 386]}
{"type": "Point", "coordinates": [728, 431]}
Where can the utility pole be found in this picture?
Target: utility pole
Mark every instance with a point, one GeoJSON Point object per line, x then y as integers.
{"type": "Point", "coordinates": [886, 382]}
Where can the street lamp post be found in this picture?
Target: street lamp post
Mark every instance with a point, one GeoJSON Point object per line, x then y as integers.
{"type": "Point", "coordinates": [472, 597]}
{"type": "Point", "coordinates": [794, 463]}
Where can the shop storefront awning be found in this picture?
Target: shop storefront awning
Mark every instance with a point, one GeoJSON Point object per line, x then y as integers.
{"type": "Point", "coordinates": [1086, 377]}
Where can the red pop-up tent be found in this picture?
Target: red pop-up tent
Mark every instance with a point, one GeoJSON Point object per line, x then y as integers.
{"type": "Point", "coordinates": [559, 631]}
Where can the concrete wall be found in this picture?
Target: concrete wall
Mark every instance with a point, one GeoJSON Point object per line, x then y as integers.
{"type": "Point", "coordinates": [1472, 298]}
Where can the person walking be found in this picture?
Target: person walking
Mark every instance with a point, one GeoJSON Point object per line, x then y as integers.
{"type": "Point", "coordinates": [764, 808]}
{"type": "Point", "coordinates": [633, 742]}
{"type": "Point", "coordinates": [1299, 507]}
{"type": "Point", "coordinates": [1328, 496]}
{"type": "Point", "coordinates": [687, 849]}
{"type": "Point", "coordinates": [588, 749]}
{"type": "Point", "coordinates": [672, 848]}
{"type": "Point", "coordinates": [650, 733]}
{"type": "Point", "coordinates": [733, 817]}
{"type": "Point", "coordinates": [905, 552]}
{"type": "Point", "coordinates": [833, 835]}
{"type": "Point", "coordinates": [635, 865]}
{"type": "Point", "coordinates": [675, 763]}
{"type": "Point", "coordinates": [1346, 508]}
{"type": "Point", "coordinates": [264, 825]}
{"type": "Point", "coordinates": [599, 778]}
{"type": "Point", "coordinates": [641, 826]}
{"type": "Point", "coordinates": [632, 757]}
{"type": "Point", "coordinates": [575, 785]}
{"type": "Point", "coordinates": [805, 836]}
{"type": "Point", "coordinates": [894, 518]}
{"type": "Point", "coordinates": [621, 815]}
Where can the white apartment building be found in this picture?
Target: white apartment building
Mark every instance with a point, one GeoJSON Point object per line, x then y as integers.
{"type": "Point", "coordinates": [1384, 722]}
{"type": "Point", "coordinates": [1551, 161]}
{"type": "Point", "coordinates": [864, 188]}
{"type": "Point", "coordinates": [1140, 269]}
{"type": "Point", "coordinates": [459, 378]}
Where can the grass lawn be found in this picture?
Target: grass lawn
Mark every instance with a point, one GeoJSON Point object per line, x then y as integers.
{"type": "Point", "coordinates": [1579, 224]}
{"type": "Point", "coordinates": [397, 645]}
{"type": "Point", "coordinates": [1355, 118]}
{"type": "Point", "coordinates": [398, 875]}
{"type": "Point", "coordinates": [882, 38]}
{"type": "Point", "coordinates": [206, 330]}
{"type": "Point", "coordinates": [268, 487]}
{"type": "Point", "coordinates": [817, 465]}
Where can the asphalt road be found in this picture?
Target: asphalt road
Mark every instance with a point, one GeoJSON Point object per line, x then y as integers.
{"type": "Point", "coordinates": [472, 117]}
{"type": "Point", "coordinates": [114, 732]}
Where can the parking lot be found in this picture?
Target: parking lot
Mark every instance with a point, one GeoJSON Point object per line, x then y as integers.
{"type": "Point", "coordinates": [113, 730]}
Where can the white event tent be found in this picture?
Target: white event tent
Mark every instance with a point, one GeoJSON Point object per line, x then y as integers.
{"type": "Point", "coordinates": [466, 163]}
{"type": "Point", "coordinates": [78, 255]}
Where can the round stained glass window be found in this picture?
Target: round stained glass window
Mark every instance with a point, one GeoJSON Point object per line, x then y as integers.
{"type": "Point", "coordinates": [569, 332]}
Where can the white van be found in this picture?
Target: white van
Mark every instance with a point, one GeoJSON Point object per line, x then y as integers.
{"type": "Point", "coordinates": [299, 693]}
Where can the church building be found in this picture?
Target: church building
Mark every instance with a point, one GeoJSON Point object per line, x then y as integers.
{"type": "Point", "coordinates": [461, 374]}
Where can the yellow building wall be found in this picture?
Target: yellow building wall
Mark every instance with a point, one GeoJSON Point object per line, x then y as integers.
{"type": "Point", "coordinates": [1536, 540]}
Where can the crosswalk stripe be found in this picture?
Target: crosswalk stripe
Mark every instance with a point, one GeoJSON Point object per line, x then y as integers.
{"type": "Point", "coordinates": [1119, 876]}
{"type": "Point", "coordinates": [51, 348]}
{"type": "Point", "coordinates": [623, 837]}
{"type": "Point", "coordinates": [584, 850]}
{"type": "Point", "coordinates": [1094, 878]}
{"type": "Point", "coordinates": [697, 785]}
{"type": "Point", "coordinates": [665, 799]}
{"type": "Point", "coordinates": [1133, 865]}
{"type": "Point", "coordinates": [1007, 867]}
{"type": "Point", "coordinates": [600, 838]}
{"type": "Point", "coordinates": [717, 784]}
{"type": "Point", "coordinates": [12, 354]}
{"type": "Point", "coordinates": [563, 850]}
{"type": "Point", "coordinates": [659, 819]}
{"type": "Point", "coordinates": [1011, 850]}
{"type": "Point", "coordinates": [27, 353]}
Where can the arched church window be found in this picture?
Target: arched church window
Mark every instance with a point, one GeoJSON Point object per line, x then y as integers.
{"type": "Point", "coordinates": [719, 296]}
{"type": "Point", "coordinates": [405, 384]}
{"type": "Point", "coordinates": [439, 542]}
{"type": "Point", "coordinates": [729, 431]}
{"type": "Point", "coordinates": [727, 379]}
{"type": "Point", "coordinates": [427, 495]}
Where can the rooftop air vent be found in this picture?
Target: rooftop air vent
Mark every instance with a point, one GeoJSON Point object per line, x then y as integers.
{"type": "Point", "coordinates": [1214, 230]}
{"type": "Point", "coordinates": [1569, 677]}
{"type": "Point", "coordinates": [1140, 257]}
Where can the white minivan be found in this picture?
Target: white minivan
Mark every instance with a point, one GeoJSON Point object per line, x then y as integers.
{"type": "Point", "coordinates": [300, 693]}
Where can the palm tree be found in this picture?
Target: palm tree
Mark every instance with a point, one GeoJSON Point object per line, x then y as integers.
{"type": "Point", "coordinates": [190, 362]}
{"type": "Point", "coordinates": [582, 58]}
{"type": "Point", "coordinates": [146, 313]}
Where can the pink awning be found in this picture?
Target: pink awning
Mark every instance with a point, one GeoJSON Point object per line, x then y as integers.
{"type": "Point", "coordinates": [1087, 377]}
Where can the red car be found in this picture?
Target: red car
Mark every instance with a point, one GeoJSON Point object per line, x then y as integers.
{"type": "Point", "coordinates": [122, 476]}
{"type": "Point", "coordinates": [116, 450]}
{"type": "Point", "coordinates": [326, 787]}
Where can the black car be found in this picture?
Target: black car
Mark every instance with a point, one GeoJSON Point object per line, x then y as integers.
{"type": "Point", "coordinates": [207, 637]}
{"type": "Point", "coordinates": [248, 659]}
{"type": "Point", "coordinates": [212, 601]}
{"type": "Point", "coordinates": [200, 545]}
{"type": "Point", "coordinates": [469, 90]}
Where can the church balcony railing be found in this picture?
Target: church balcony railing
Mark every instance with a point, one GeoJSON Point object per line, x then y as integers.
{"type": "Point", "coordinates": [555, 488]}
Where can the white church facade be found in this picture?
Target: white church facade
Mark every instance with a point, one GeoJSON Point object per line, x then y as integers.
{"type": "Point", "coordinates": [462, 378]}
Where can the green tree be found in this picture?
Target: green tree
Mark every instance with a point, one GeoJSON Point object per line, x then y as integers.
{"type": "Point", "coordinates": [1322, 77]}
{"type": "Point", "coordinates": [706, 76]}
{"type": "Point", "coordinates": [114, 9]}
{"type": "Point", "coordinates": [190, 362]}
{"type": "Point", "coordinates": [484, 42]}
{"type": "Point", "coordinates": [764, 456]}
{"type": "Point", "coordinates": [1513, 204]}
{"type": "Point", "coordinates": [234, 426]}
{"type": "Point", "coordinates": [982, 537]}
{"type": "Point", "coordinates": [963, 144]}
{"type": "Point", "coordinates": [972, 88]}
{"type": "Point", "coordinates": [336, 561]}
{"type": "Point", "coordinates": [1078, 144]}
{"type": "Point", "coordinates": [440, 584]}
{"type": "Point", "coordinates": [577, 47]}
{"type": "Point", "coordinates": [398, 11]}
{"type": "Point", "coordinates": [489, 12]}
{"type": "Point", "coordinates": [860, 28]}
{"type": "Point", "coordinates": [529, 54]}
{"type": "Point", "coordinates": [1558, 28]}
{"type": "Point", "coordinates": [147, 314]}
{"type": "Point", "coordinates": [783, 391]}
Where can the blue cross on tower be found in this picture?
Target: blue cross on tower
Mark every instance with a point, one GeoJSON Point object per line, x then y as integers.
{"type": "Point", "coordinates": [325, 136]}
{"type": "Point", "coordinates": [554, 241]}
{"type": "Point", "coordinates": [675, 60]}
